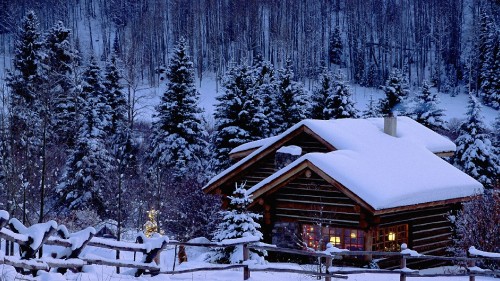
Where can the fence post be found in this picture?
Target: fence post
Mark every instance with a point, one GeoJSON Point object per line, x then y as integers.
{"type": "Point", "coordinates": [402, 275]}
{"type": "Point", "coordinates": [471, 263]}
{"type": "Point", "coordinates": [328, 263]}
{"type": "Point", "coordinates": [246, 256]}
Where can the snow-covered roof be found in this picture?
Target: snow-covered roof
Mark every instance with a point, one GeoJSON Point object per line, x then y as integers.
{"type": "Point", "coordinates": [411, 130]}
{"type": "Point", "coordinates": [407, 128]}
{"type": "Point", "coordinates": [382, 170]}
{"type": "Point", "coordinates": [253, 145]}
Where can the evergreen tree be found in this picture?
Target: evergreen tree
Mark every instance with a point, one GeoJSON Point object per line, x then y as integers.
{"type": "Point", "coordinates": [115, 96]}
{"type": "Point", "coordinates": [426, 111]}
{"type": "Point", "coordinates": [85, 181]}
{"type": "Point", "coordinates": [263, 91]}
{"type": "Point", "coordinates": [371, 110]}
{"type": "Point", "coordinates": [320, 96]}
{"type": "Point", "coordinates": [336, 47]}
{"type": "Point", "coordinates": [489, 74]}
{"type": "Point", "coordinates": [59, 61]}
{"type": "Point", "coordinates": [339, 103]}
{"type": "Point", "coordinates": [237, 222]}
{"type": "Point", "coordinates": [178, 135]}
{"type": "Point", "coordinates": [396, 90]}
{"type": "Point", "coordinates": [496, 132]}
{"type": "Point", "coordinates": [291, 100]}
{"type": "Point", "coordinates": [27, 82]}
{"type": "Point", "coordinates": [238, 114]}
{"type": "Point", "coordinates": [475, 155]}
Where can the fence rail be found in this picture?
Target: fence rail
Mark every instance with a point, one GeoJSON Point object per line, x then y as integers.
{"type": "Point", "coordinates": [29, 246]}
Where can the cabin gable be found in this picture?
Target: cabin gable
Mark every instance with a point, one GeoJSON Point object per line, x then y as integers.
{"type": "Point", "coordinates": [264, 163]}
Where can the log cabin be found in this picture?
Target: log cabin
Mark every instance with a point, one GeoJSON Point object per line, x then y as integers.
{"type": "Point", "coordinates": [359, 184]}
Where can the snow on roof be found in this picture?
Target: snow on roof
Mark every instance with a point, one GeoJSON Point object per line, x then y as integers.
{"type": "Point", "coordinates": [411, 130]}
{"type": "Point", "coordinates": [253, 144]}
{"type": "Point", "coordinates": [384, 171]}
{"type": "Point", "coordinates": [326, 129]}
{"type": "Point", "coordinates": [407, 128]}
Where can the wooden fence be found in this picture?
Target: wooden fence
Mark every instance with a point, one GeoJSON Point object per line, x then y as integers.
{"type": "Point", "coordinates": [30, 245]}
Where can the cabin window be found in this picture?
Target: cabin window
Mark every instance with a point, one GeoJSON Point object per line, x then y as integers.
{"type": "Point", "coordinates": [389, 239]}
{"type": "Point", "coordinates": [316, 237]}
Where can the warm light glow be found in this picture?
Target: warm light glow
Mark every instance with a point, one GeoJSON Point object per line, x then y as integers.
{"type": "Point", "coordinates": [392, 236]}
{"type": "Point", "coordinates": [353, 234]}
{"type": "Point", "coordinates": [335, 240]}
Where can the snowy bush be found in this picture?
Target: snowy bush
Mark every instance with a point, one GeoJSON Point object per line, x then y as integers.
{"type": "Point", "coordinates": [478, 225]}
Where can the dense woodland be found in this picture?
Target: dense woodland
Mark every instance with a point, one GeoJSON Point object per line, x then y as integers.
{"type": "Point", "coordinates": [72, 149]}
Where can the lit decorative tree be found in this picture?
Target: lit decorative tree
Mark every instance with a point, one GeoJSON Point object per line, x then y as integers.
{"type": "Point", "coordinates": [151, 227]}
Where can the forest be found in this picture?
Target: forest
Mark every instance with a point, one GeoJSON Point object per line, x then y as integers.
{"type": "Point", "coordinates": [73, 149]}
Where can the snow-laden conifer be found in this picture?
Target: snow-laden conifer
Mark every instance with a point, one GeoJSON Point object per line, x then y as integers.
{"type": "Point", "coordinates": [291, 104]}
{"type": "Point", "coordinates": [339, 103]}
{"type": "Point", "coordinates": [238, 114]}
{"type": "Point", "coordinates": [371, 109]}
{"type": "Point", "coordinates": [488, 61]}
{"type": "Point", "coordinates": [59, 61]}
{"type": "Point", "coordinates": [426, 110]}
{"type": "Point", "coordinates": [336, 46]}
{"type": "Point", "coordinates": [85, 181]}
{"type": "Point", "coordinates": [177, 140]}
{"type": "Point", "coordinates": [237, 222]}
{"type": "Point", "coordinates": [264, 90]}
{"type": "Point", "coordinates": [475, 154]}
{"type": "Point", "coordinates": [320, 95]}
{"type": "Point", "coordinates": [396, 90]}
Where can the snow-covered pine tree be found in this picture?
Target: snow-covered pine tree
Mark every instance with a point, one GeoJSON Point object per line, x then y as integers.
{"type": "Point", "coordinates": [27, 81]}
{"type": "Point", "coordinates": [426, 110]}
{"type": "Point", "coordinates": [59, 61]}
{"type": "Point", "coordinates": [84, 183]}
{"type": "Point", "coordinates": [264, 90]}
{"type": "Point", "coordinates": [336, 47]}
{"type": "Point", "coordinates": [237, 222]}
{"type": "Point", "coordinates": [475, 154]}
{"type": "Point", "coordinates": [177, 140]}
{"type": "Point", "coordinates": [115, 96]}
{"type": "Point", "coordinates": [396, 90]}
{"type": "Point", "coordinates": [238, 114]}
{"type": "Point", "coordinates": [120, 140]}
{"type": "Point", "coordinates": [291, 104]}
{"type": "Point", "coordinates": [496, 132]}
{"type": "Point", "coordinates": [489, 74]}
{"type": "Point", "coordinates": [339, 103]}
{"type": "Point", "coordinates": [321, 94]}
{"type": "Point", "coordinates": [371, 109]}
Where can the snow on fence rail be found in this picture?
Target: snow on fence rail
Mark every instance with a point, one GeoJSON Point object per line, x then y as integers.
{"type": "Point", "coordinates": [31, 239]}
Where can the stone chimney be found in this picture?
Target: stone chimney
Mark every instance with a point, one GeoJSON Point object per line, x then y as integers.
{"type": "Point", "coordinates": [390, 124]}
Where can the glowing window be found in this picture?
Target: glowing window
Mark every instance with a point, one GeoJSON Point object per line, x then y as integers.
{"type": "Point", "coordinates": [390, 238]}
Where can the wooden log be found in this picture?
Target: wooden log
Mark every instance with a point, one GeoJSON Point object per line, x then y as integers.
{"type": "Point", "coordinates": [471, 263]}
{"type": "Point", "coordinates": [246, 255]}
{"type": "Point", "coordinates": [402, 276]}
{"type": "Point", "coordinates": [328, 264]}
{"type": "Point", "coordinates": [122, 263]}
{"type": "Point", "coordinates": [299, 271]}
{"type": "Point", "coordinates": [213, 268]}
{"type": "Point", "coordinates": [26, 264]}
